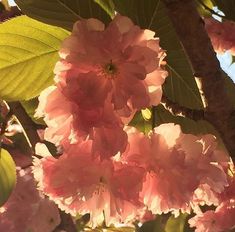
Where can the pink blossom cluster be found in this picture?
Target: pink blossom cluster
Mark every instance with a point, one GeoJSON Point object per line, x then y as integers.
{"type": "Point", "coordinates": [222, 35]}
{"type": "Point", "coordinates": [27, 209]}
{"type": "Point", "coordinates": [162, 172]}
{"type": "Point", "coordinates": [103, 77]}
{"type": "Point", "coordinates": [114, 172]}
{"type": "Point", "coordinates": [222, 218]}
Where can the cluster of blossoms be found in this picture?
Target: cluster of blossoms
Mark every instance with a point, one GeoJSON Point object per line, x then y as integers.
{"type": "Point", "coordinates": [111, 171]}
{"type": "Point", "coordinates": [222, 218]}
{"type": "Point", "coordinates": [27, 209]}
{"type": "Point", "coordinates": [222, 35]}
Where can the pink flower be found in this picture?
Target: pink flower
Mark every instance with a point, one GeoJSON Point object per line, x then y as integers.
{"type": "Point", "coordinates": [204, 195]}
{"type": "Point", "coordinates": [229, 191]}
{"type": "Point", "coordinates": [122, 60]}
{"type": "Point", "coordinates": [207, 222]}
{"type": "Point", "coordinates": [23, 210]}
{"type": "Point", "coordinates": [80, 183]}
{"type": "Point", "coordinates": [68, 123]}
{"type": "Point", "coordinates": [222, 35]}
{"type": "Point", "coordinates": [176, 165]}
{"type": "Point", "coordinates": [220, 220]}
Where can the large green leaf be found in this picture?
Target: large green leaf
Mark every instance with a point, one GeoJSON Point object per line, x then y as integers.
{"type": "Point", "coordinates": [7, 175]}
{"type": "Point", "coordinates": [63, 13]}
{"type": "Point", "coordinates": [28, 53]}
{"type": "Point", "coordinates": [180, 85]}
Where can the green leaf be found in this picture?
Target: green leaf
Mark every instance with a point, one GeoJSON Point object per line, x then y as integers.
{"type": "Point", "coordinates": [176, 224]}
{"type": "Point", "coordinates": [28, 53]}
{"type": "Point", "coordinates": [107, 5]}
{"type": "Point", "coordinates": [180, 85]}
{"type": "Point", "coordinates": [63, 13]}
{"type": "Point", "coordinates": [7, 176]}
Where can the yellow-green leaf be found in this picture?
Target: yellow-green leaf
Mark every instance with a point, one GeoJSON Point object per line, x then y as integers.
{"type": "Point", "coordinates": [7, 176]}
{"type": "Point", "coordinates": [28, 53]}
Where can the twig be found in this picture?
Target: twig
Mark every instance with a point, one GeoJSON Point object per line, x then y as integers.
{"type": "Point", "coordinates": [182, 111]}
{"type": "Point", "coordinates": [192, 34]}
{"type": "Point", "coordinates": [27, 124]}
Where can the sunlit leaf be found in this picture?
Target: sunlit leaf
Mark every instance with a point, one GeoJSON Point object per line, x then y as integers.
{"type": "Point", "coordinates": [7, 176]}
{"type": "Point", "coordinates": [63, 13]}
{"type": "Point", "coordinates": [28, 53]}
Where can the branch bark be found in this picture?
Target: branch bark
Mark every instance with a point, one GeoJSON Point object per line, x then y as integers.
{"type": "Point", "coordinates": [27, 124]}
{"type": "Point", "coordinates": [177, 110]}
{"type": "Point", "coordinates": [190, 29]}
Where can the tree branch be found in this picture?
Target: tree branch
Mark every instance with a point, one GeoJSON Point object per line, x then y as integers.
{"type": "Point", "coordinates": [182, 111]}
{"type": "Point", "coordinates": [190, 29]}
{"type": "Point", "coordinates": [27, 124]}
